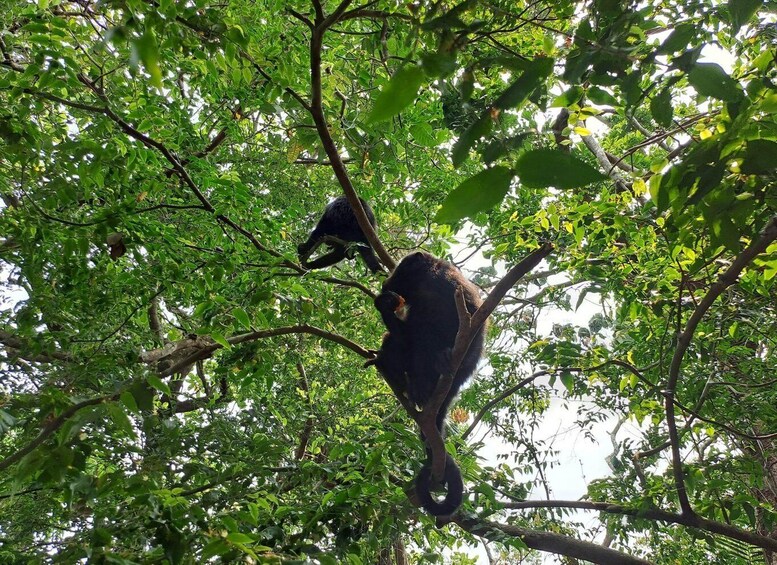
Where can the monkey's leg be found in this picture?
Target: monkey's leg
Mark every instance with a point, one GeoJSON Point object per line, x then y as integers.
{"type": "Point", "coordinates": [423, 368]}
{"type": "Point", "coordinates": [369, 258]}
{"type": "Point", "coordinates": [327, 260]}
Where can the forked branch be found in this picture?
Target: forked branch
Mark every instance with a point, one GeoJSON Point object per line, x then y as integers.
{"type": "Point", "coordinates": [469, 325]}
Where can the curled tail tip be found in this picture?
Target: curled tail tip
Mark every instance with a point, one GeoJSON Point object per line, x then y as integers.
{"type": "Point", "coordinates": [454, 485]}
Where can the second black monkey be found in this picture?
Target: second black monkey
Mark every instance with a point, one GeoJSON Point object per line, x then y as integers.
{"type": "Point", "coordinates": [339, 220]}
{"type": "Point", "coordinates": [418, 307]}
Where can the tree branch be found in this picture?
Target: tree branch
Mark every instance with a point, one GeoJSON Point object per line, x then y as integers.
{"type": "Point", "coordinates": [693, 521]}
{"type": "Point", "coordinates": [725, 280]}
{"type": "Point", "coordinates": [208, 350]}
{"type": "Point", "coordinates": [549, 542]}
{"type": "Point", "coordinates": [317, 111]}
{"type": "Point", "coordinates": [468, 327]}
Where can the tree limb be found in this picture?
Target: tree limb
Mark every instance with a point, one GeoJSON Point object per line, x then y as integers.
{"type": "Point", "coordinates": [317, 112]}
{"type": "Point", "coordinates": [725, 280]}
{"type": "Point", "coordinates": [468, 327]}
{"type": "Point", "coordinates": [208, 350]}
{"type": "Point", "coordinates": [549, 542]}
{"type": "Point", "coordinates": [693, 521]}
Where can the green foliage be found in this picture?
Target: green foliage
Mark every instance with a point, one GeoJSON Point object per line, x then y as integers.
{"type": "Point", "coordinates": [541, 168]}
{"type": "Point", "coordinates": [401, 90]}
{"type": "Point", "coordinates": [476, 194]}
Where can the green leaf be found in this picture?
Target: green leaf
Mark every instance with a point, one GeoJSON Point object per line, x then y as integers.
{"type": "Point", "coordinates": [709, 79]}
{"type": "Point", "coordinates": [542, 168]}
{"type": "Point", "coordinates": [742, 11]}
{"type": "Point", "coordinates": [568, 380]}
{"type": "Point", "coordinates": [480, 128]}
{"type": "Point", "coordinates": [534, 75]}
{"type": "Point", "coordinates": [600, 96]}
{"type": "Point", "coordinates": [242, 317]}
{"type": "Point", "coordinates": [476, 194]}
{"type": "Point", "coordinates": [238, 537]}
{"type": "Point", "coordinates": [129, 401]}
{"type": "Point", "coordinates": [220, 339]}
{"type": "Point", "coordinates": [661, 108]}
{"type": "Point", "coordinates": [760, 157]}
{"type": "Point", "coordinates": [571, 96]}
{"type": "Point", "coordinates": [423, 134]}
{"type": "Point", "coordinates": [148, 51]}
{"type": "Point", "coordinates": [101, 537]}
{"type": "Point", "coordinates": [120, 418]}
{"type": "Point", "coordinates": [439, 64]}
{"type": "Point", "coordinates": [401, 90]}
{"type": "Point", "coordinates": [158, 384]}
{"type": "Point", "coordinates": [143, 395]}
{"type": "Point", "coordinates": [677, 40]}
{"type": "Point", "coordinates": [216, 547]}
{"type": "Point", "coordinates": [725, 232]}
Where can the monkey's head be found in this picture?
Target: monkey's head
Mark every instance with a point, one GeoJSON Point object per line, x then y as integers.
{"type": "Point", "coordinates": [392, 304]}
{"type": "Point", "coordinates": [417, 266]}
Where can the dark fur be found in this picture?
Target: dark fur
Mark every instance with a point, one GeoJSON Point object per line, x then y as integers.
{"type": "Point", "coordinates": [339, 221]}
{"type": "Point", "coordinates": [417, 350]}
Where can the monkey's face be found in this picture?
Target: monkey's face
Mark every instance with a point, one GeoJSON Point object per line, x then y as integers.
{"type": "Point", "coordinates": [392, 304]}
{"type": "Point", "coordinates": [402, 309]}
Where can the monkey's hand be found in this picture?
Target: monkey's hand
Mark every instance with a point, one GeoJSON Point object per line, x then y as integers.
{"type": "Point", "coordinates": [374, 360]}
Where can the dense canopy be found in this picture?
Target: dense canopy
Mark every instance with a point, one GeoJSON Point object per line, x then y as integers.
{"type": "Point", "coordinates": [175, 387]}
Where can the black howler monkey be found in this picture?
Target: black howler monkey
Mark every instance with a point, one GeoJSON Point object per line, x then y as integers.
{"type": "Point", "coordinates": [418, 306]}
{"type": "Point", "coordinates": [339, 221]}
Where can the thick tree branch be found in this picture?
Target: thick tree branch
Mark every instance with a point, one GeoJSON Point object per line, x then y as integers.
{"type": "Point", "coordinates": [693, 521]}
{"type": "Point", "coordinates": [468, 328]}
{"type": "Point", "coordinates": [609, 167]}
{"type": "Point", "coordinates": [305, 20]}
{"type": "Point", "coordinates": [207, 350]}
{"type": "Point", "coordinates": [549, 542]}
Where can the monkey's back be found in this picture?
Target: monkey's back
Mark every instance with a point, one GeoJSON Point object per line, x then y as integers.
{"type": "Point", "coordinates": [339, 220]}
{"type": "Point", "coordinates": [428, 285]}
